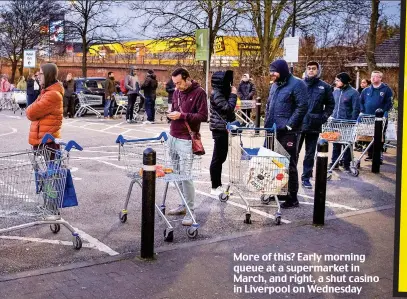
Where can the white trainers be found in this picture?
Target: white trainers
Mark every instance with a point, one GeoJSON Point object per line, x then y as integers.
{"type": "Point", "coordinates": [180, 210]}
{"type": "Point", "coordinates": [217, 191]}
{"type": "Point", "coordinates": [187, 221]}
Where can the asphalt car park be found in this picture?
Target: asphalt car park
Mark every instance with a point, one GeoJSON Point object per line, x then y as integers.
{"type": "Point", "coordinates": [101, 186]}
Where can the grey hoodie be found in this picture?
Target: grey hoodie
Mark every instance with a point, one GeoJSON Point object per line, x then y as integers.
{"type": "Point", "coordinates": [131, 82]}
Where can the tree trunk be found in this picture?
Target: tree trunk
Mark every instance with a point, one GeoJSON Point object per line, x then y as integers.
{"type": "Point", "coordinates": [84, 58]}
{"type": "Point", "coordinates": [371, 39]}
{"type": "Point", "coordinates": [13, 70]}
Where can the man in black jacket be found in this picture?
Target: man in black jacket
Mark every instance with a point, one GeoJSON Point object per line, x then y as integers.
{"type": "Point", "coordinates": [286, 106]}
{"type": "Point", "coordinates": [223, 102]}
{"type": "Point", "coordinates": [33, 88]}
{"type": "Point", "coordinates": [170, 88]}
{"type": "Point", "coordinates": [150, 86]}
{"type": "Point", "coordinates": [246, 92]}
{"type": "Point", "coordinates": [321, 103]}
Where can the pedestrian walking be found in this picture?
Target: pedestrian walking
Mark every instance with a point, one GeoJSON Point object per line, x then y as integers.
{"type": "Point", "coordinates": [189, 106]}
{"type": "Point", "coordinates": [246, 92]}
{"type": "Point", "coordinates": [223, 102]}
{"type": "Point", "coordinates": [377, 95]}
{"type": "Point", "coordinates": [320, 107]}
{"type": "Point", "coordinates": [133, 86]}
{"type": "Point", "coordinates": [149, 86]}
{"type": "Point", "coordinates": [5, 85]}
{"type": "Point", "coordinates": [46, 112]}
{"type": "Point", "coordinates": [286, 106]}
{"type": "Point", "coordinates": [22, 84]}
{"type": "Point", "coordinates": [347, 107]}
{"type": "Point", "coordinates": [110, 89]}
{"type": "Point", "coordinates": [69, 100]}
{"type": "Point", "coordinates": [33, 88]}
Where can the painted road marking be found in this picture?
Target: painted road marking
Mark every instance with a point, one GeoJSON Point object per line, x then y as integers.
{"type": "Point", "coordinates": [328, 203]}
{"type": "Point", "coordinates": [39, 240]}
{"type": "Point", "coordinates": [256, 211]}
{"type": "Point", "coordinates": [13, 130]}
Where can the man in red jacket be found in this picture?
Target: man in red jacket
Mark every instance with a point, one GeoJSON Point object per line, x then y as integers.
{"type": "Point", "coordinates": [189, 105]}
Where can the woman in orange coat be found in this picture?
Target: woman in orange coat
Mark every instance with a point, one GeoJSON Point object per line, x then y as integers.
{"type": "Point", "coordinates": [46, 112]}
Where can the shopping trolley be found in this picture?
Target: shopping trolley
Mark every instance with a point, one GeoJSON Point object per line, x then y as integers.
{"type": "Point", "coordinates": [6, 101]}
{"type": "Point", "coordinates": [171, 168]}
{"type": "Point", "coordinates": [121, 103]}
{"type": "Point", "coordinates": [343, 132]}
{"type": "Point", "coordinates": [243, 117]}
{"type": "Point", "coordinates": [161, 107]}
{"type": "Point", "coordinates": [32, 185]}
{"type": "Point", "coordinates": [19, 99]}
{"type": "Point", "coordinates": [258, 164]}
{"type": "Point", "coordinates": [86, 101]}
{"type": "Point", "coordinates": [390, 136]}
{"type": "Point", "coordinates": [365, 127]}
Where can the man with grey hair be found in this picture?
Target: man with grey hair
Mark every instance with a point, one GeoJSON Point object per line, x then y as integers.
{"type": "Point", "coordinates": [246, 92]}
{"type": "Point", "coordinates": [132, 84]}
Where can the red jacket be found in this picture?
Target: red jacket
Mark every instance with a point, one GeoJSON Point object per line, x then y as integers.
{"type": "Point", "coordinates": [194, 108]}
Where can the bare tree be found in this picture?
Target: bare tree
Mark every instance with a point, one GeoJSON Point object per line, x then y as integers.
{"type": "Point", "coordinates": [20, 23]}
{"type": "Point", "coordinates": [180, 19]}
{"type": "Point", "coordinates": [371, 38]}
{"type": "Point", "coordinates": [91, 23]}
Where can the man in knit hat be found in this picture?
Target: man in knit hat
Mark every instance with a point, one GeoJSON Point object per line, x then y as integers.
{"type": "Point", "coordinates": [246, 91]}
{"type": "Point", "coordinates": [286, 106]}
{"type": "Point", "coordinates": [347, 106]}
{"type": "Point", "coordinates": [320, 106]}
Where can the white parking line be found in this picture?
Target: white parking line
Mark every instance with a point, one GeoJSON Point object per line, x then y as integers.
{"type": "Point", "coordinates": [328, 203]}
{"type": "Point", "coordinates": [13, 130]}
{"type": "Point", "coordinates": [256, 211]}
{"type": "Point", "coordinates": [39, 240]}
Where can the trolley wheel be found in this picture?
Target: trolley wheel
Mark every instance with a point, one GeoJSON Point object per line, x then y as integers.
{"type": "Point", "coordinates": [168, 236]}
{"type": "Point", "coordinates": [55, 228]}
{"type": "Point", "coordinates": [278, 220]}
{"type": "Point", "coordinates": [357, 165]}
{"type": "Point", "coordinates": [265, 199]}
{"type": "Point", "coordinates": [123, 217]}
{"type": "Point", "coordinates": [247, 219]}
{"type": "Point", "coordinates": [354, 172]}
{"type": "Point", "coordinates": [192, 232]}
{"type": "Point", "coordinates": [77, 242]}
{"type": "Point", "coordinates": [223, 197]}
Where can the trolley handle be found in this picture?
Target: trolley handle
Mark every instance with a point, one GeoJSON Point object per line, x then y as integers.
{"type": "Point", "coordinates": [230, 127]}
{"type": "Point", "coordinates": [68, 146]}
{"type": "Point", "coordinates": [344, 121]}
{"type": "Point", "coordinates": [72, 144]}
{"type": "Point", "coordinates": [120, 139]}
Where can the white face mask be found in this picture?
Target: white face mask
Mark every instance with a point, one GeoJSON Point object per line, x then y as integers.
{"type": "Point", "coordinates": [245, 79]}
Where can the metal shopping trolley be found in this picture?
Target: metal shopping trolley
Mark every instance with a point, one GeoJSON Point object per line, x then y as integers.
{"type": "Point", "coordinates": [19, 99]}
{"type": "Point", "coordinates": [170, 168]}
{"type": "Point", "coordinates": [121, 102]}
{"type": "Point", "coordinates": [391, 132]}
{"type": "Point", "coordinates": [161, 107]}
{"type": "Point", "coordinates": [86, 101]}
{"type": "Point", "coordinates": [258, 164]}
{"type": "Point", "coordinates": [243, 117]}
{"type": "Point", "coordinates": [342, 132]}
{"type": "Point", "coordinates": [6, 101]}
{"type": "Point", "coordinates": [32, 185]}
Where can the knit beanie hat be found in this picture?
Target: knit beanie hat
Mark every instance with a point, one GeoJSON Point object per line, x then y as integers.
{"type": "Point", "coordinates": [344, 77]}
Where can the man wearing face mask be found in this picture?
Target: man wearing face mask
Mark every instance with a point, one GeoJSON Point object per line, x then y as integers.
{"type": "Point", "coordinates": [133, 86]}
{"type": "Point", "coordinates": [246, 91]}
{"type": "Point", "coordinates": [320, 106]}
{"type": "Point", "coordinates": [286, 106]}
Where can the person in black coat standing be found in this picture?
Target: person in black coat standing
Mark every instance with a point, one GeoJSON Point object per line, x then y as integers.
{"type": "Point", "coordinates": [170, 88]}
{"type": "Point", "coordinates": [223, 102]}
{"type": "Point", "coordinates": [33, 88]}
{"type": "Point", "coordinates": [321, 104]}
{"type": "Point", "coordinates": [150, 86]}
{"type": "Point", "coordinates": [246, 92]}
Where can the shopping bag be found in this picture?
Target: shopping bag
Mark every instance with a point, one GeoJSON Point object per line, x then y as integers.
{"type": "Point", "coordinates": [70, 199]}
{"type": "Point", "coordinates": [391, 133]}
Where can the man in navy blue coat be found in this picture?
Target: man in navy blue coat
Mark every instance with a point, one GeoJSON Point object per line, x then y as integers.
{"type": "Point", "coordinates": [377, 95]}
{"type": "Point", "coordinates": [286, 106]}
{"type": "Point", "coordinates": [321, 104]}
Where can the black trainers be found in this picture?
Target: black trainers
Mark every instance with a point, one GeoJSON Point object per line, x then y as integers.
{"type": "Point", "coordinates": [290, 204]}
{"type": "Point", "coordinates": [346, 169]}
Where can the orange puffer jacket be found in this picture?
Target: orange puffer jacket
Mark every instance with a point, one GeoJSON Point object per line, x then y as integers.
{"type": "Point", "coordinates": [46, 114]}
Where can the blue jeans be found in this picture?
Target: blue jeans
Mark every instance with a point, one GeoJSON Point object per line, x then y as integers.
{"type": "Point", "coordinates": [108, 110]}
{"type": "Point", "coordinates": [311, 140]}
{"type": "Point", "coordinates": [150, 107]}
{"type": "Point", "coordinates": [181, 154]}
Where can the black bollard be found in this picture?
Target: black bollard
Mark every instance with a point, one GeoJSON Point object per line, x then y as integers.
{"type": "Point", "coordinates": [320, 183]}
{"type": "Point", "coordinates": [377, 141]}
{"type": "Point", "coordinates": [148, 204]}
{"type": "Point", "coordinates": [258, 111]}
